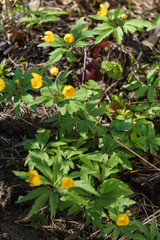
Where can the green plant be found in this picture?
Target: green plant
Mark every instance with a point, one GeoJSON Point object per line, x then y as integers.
{"type": "Point", "coordinates": [5, 71]}
{"type": "Point", "coordinates": [150, 87]}
{"type": "Point", "coordinates": [66, 48]}
{"type": "Point", "coordinates": [16, 89]}
{"type": "Point", "coordinates": [114, 23]}
{"type": "Point", "coordinates": [38, 17]}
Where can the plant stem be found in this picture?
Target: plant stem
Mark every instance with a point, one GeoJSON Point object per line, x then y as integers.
{"type": "Point", "coordinates": [59, 121]}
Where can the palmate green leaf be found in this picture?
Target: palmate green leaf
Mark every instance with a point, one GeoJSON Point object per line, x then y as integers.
{"type": "Point", "coordinates": [70, 57]}
{"type": "Point", "coordinates": [62, 78]}
{"type": "Point", "coordinates": [132, 25]}
{"type": "Point", "coordinates": [116, 233]}
{"type": "Point", "coordinates": [77, 27]}
{"type": "Point", "coordinates": [42, 137]}
{"type": "Point", "coordinates": [39, 203]}
{"type": "Point", "coordinates": [35, 193]}
{"type": "Point", "coordinates": [133, 85]}
{"type": "Point", "coordinates": [150, 76]}
{"type": "Point", "coordinates": [75, 197]}
{"type": "Point", "coordinates": [111, 187]}
{"type": "Point", "coordinates": [21, 174]}
{"type": "Point", "coordinates": [156, 83]}
{"type": "Point", "coordinates": [118, 33]}
{"type": "Point", "coordinates": [84, 35]}
{"type": "Point", "coordinates": [151, 94]}
{"type": "Point", "coordinates": [82, 44]}
{"type": "Point", "coordinates": [103, 26]}
{"type": "Point", "coordinates": [56, 55]}
{"type": "Point", "coordinates": [141, 91]}
{"type": "Point", "coordinates": [113, 69]}
{"type": "Point", "coordinates": [53, 203]}
{"type": "Point", "coordinates": [5, 96]}
{"type": "Point", "coordinates": [108, 228]}
{"type": "Point", "coordinates": [73, 209]}
{"type": "Point", "coordinates": [103, 35]}
{"type": "Point", "coordinates": [41, 165]}
{"type": "Point", "coordinates": [17, 100]}
{"type": "Point", "coordinates": [142, 227]}
{"type": "Point", "coordinates": [18, 74]}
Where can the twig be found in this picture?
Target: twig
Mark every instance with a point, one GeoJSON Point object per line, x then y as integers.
{"type": "Point", "coordinates": [84, 66]}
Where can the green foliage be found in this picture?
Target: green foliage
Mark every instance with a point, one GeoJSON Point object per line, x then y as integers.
{"type": "Point", "coordinates": [66, 48]}
{"type": "Point", "coordinates": [82, 149]}
{"type": "Point", "coordinates": [113, 23]}
{"type": "Point", "coordinates": [112, 69]}
{"type": "Point", "coordinates": [38, 17]}
{"type": "Point", "coordinates": [150, 87]}
{"type": "Point", "coordinates": [5, 71]}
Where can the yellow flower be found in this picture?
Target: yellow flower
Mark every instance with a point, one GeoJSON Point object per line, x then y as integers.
{"type": "Point", "coordinates": [2, 84]}
{"type": "Point", "coordinates": [54, 70]}
{"type": "Point", "coordinates": [67, 183]}
{"type": "Point", "coordinates": [49, 37]}
{"type": "Point", "coordinates": [69, 91]}
{"type": "Point", "coordinates": [103, 11]}
{"type": "Point", "coordinates": [124, 15]}
{"type": "Point", "coordinates": [36, 81]}
{"type": "Point", "coordinates": [122, 220]}
{"type": "Point", "coordinates": [34, 178]}
{"type": "Point", "coordinates": [68, 38]}
{"type": "Point", "coordinates": [17, 81]}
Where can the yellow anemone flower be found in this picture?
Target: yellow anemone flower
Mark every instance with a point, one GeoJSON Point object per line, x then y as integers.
{"type": "Point", "coordinates": [54, 71]}
{"type": "Point", "coordinates": [49, 37]}
{"type": "Point", "coordinates": [34, 178]}
{"type": "Point", "coordinates": [124, 15]}
{"type": "Point", "coordinates": [68, 38]}
{"type": "Point", "coordinates": [69, 91]}
{"type": "Point", "coordinates": [67, 183]}
{"type": "Point", "coordinates": [122, 220]}
{"type": "Point", "coordinates": [36, 81]}
{"type": "Point", "coordinates": [103, 11]}
{"type": "Point", "coordinates": [2, 84]}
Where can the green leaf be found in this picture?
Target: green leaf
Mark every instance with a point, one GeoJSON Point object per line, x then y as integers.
{"type": "Point", "coordinates": [77, 27]}
{"type": "Point", "coordinates": [41, 165]}
{"type": "Point", "coordinates": [21, 174]}
{"type": "Point", "coordinates": [86, 186]}
{"type": "Point", "coordinates": [42, 137]}
{"type": "Point", "coordinates": [113, 69]}
{"type": "Point", "coordinates": [18, 73]}
{"type": "Point", "coordinates": [107, 229]}
{"type": "Point", "coordinates": [56, 55]}
{"type": "Point", "coordinates": [153, 229]}
{"type": "Point", "coordinates": [151, 93]}
{"type": "Point", "coordinates": [150, 76]}
{"type": "Point", "coordinates": [53, 203]}
{"type": "Point", "coordinates": [133, 85]}
{"type": "Point", "coordinates": [17, 100]}
{"type": "Point", "coordinates": [118, 33]}
{"type": "Point", "coordinates": [116, 233]}
{"type": "Point", "coordinates": [142, 227]}
{"type": "Point", "coordinates": [156, 83]}
{"type": "Point", "coordinates": [141, 91]}
{"type": "Point", "coordinates": [103, 35]}
{"type": "Point", "coordinates": [70, 57]}
{"type": "Point", "coordinates": [39, 203]}
{"type": "Point", "coordinates": [35, 193]}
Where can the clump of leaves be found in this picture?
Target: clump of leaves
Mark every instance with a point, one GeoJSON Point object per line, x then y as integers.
{"type": "Point", "coordinates": [37, 17]}
{"type": "Point", "coordinates": [5, 71]}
